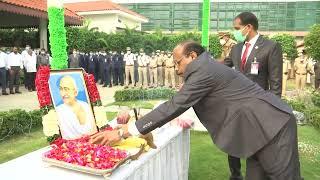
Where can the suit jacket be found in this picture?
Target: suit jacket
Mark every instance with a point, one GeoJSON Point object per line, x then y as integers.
{"type": "Point", "coordinates": [240, 116]}
{"type": "Point", "coordinates": [73, 61]}
{"type": "Point", "coordinates": [269, 56]}
{"type": "Point", "coordinates": [83, 63]}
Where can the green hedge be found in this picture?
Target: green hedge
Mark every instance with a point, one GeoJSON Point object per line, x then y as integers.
{"type": "Point", "coordinates": [311, 112]}
{"type": "Point", "coordinates": [18, 121]}
{"type": "Point", "coordinates": [288, 45]}
{"type": "Point", "coordinates": [143, 94]}
{"type": "Point", "coordinates": [86, 40]}
{"type": "Point", "coordinates": [312, 41]}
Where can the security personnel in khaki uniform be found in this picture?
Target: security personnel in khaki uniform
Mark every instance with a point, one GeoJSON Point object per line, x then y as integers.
{"type": "Point", "coordinates": [285, 67]}
{"type": "Point", "coordinates": [301, 68]}
{"type": "Point", "coordinates": [159, 58]}
{"type": "Point", "coordinates": [143, 61]}
{"type": "Point", "coordinates": [153, 65]}
{"type": "Point", "coordinates": [170, 71]}
{"type": "Point", "coordinates": [129, 59]}
{"type": "Point", "coordinates": [227, 44]}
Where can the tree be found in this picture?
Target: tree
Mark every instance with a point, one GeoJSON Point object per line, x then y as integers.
{"type": "Point", "coordinates": [312, 42]}
{"type": "Point", "coordinates": [288, 44]}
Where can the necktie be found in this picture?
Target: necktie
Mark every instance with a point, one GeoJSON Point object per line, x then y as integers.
{"type": "Point", "coordinates": [244, 56]}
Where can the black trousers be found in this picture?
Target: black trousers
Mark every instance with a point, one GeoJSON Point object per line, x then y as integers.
{"type": "Point", "coordinates": [14, 78]}
{"type": "Point", "coordinates": [235, 168]}
{"type": "Point", "coordinates": [116, 75]}
{"type": "Point", "coordinates": [30, 77]}
{"type": "Point", "coordinates": [279, 159]}
{"type": "Point", "coordinates": [107, 76]}
{"type": "Point", "coordinates": [3, 77]}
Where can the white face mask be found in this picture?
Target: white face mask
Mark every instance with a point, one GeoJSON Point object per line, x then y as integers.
{"type": "Point", "coordinates": [222, 42]}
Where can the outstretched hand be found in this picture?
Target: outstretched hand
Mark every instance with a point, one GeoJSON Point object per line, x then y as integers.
{"type": "Point", "coordinates": [107, 138]}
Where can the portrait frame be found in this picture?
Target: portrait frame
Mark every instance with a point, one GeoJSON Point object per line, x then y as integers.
{"type": "Point", "coordinates": [63, 110]}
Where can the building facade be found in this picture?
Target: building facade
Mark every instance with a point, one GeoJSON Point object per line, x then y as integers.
{"type": "Point", "coordinates": [182, 15]}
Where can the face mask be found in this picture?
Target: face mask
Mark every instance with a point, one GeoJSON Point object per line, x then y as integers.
{"type": "Point", "coordinates": [42, 52]}
{"type": "Point", "coordinates": [239, 36]}
{"type": "Point", "coordinates": [222, 42]}
{"type": "Point", "coordinates": [27, 48]}
{"type": "Point", "coordinates": [128, 52]}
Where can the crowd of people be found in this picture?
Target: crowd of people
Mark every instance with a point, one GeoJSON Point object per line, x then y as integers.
{"type": "Point", "coordinates": [14, 62]}
{"type": "Point", "coordinates": [128, 69]}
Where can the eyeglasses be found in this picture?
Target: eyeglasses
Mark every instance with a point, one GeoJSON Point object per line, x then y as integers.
{"type": "Point", "coordinates": [177, 62]}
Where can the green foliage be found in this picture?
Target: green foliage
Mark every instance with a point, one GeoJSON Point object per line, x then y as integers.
{"type": "Point", "coordinates": [288, 45]}
{"type": "Point", "coordinates": [19, 37]}
{"type": "Point", "coordinates": [312, 42]}
{"type": "Point", "coordinates": [316, 98]}
{"type": "Point", "coordinates": [87, 40]}
{"type": "Point", "coordinates": [143, 94]}
{"type": "Point", "coordinates": [18, 122]}
{"type": "Point", "coordinates": [58, 44]}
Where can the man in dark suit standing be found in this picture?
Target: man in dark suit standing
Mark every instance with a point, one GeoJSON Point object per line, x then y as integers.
{"type": "Point", "coordinates": [83, 61]}
{"type": "Point", "coordinates": [116, 68]}
{"type": "Point", "coordinates": [258, 59]}
{"type": "Point", "coordinates": [92, 63]}
{"type": "Point", "coordinates": [243, 119]}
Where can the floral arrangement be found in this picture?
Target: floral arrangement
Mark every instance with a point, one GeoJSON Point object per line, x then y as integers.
{"type": "Point", "coordinates": [81, 152]}
{"type": "Point", "coordinates": [50, 118]}
{"type": "Point", "coordinates": [57, 31]}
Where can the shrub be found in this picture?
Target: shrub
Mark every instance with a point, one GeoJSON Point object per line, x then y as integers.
{"type": "Point", "coordinates": [143, 94]}
{"type": "Point", "coordinates": [19, 121]}
{"type": "Point", "coordinates": [312, 41]}
{"type": "Point", "coordinates": [288, 45]}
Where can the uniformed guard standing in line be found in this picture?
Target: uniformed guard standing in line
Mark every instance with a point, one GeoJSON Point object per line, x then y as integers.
{"type": "Point", "coordinates": [159, 68]}
{"type": "Point", "coordinates": [110, 55]}
{"type": "Point", "coordinates": [153, 70]}
{"type": "Point", "coordinates": [301, 68]}
{"type": "Point", "coordinates": [163, 55]}
{"type": "Point", "coordinates": [285, 67]}
{"type": "Point", "coordinates": [92, 63]}
{"type": "Point", "coordinates": [82, 61]}
{"type": "Point", "coordinates": [101, 57]}
{"type": "Point", "coordinates": [116, 68]}
{"type": "Point", "coordinates": [129, 59]}
{"type": "Point", "coordinates": [122, 68]}
{"type": "Point", "coordinates": [106, 59]}
{"type": "Point", "coordinates": [74, 60]}
{"type": "Point", "coordinates": [142, 62]}
{"type": "Point", "coordinates": [227, 44]}
{"type": "Point", "coordinates": [170, 71]}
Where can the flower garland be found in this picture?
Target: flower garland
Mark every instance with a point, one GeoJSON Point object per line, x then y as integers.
{"type": "Point", "coordinates": [57, 31]}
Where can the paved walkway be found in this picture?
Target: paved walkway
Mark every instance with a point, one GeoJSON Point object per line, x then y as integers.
{"type": "Point", "coordinates": [29, 100]}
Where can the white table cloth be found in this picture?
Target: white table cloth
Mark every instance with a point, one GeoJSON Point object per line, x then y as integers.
{"type": "Point", "coordinates": [170, 161]}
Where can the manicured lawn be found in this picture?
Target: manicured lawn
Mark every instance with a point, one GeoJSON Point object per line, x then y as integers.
{"type": "Point", "coordinates": [206, 161]}
{"type": "Point", "coordinates": [141, 104]}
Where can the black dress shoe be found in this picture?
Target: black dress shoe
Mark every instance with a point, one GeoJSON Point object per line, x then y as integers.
{"type": "Point", "coordinates": [11, 92]}
{"type": "Point", "coordinates": [104, 86]}
{"type": "Point", "coordinates": [5, 93]}
{"type": "Point", "coordinates": [18, 92]}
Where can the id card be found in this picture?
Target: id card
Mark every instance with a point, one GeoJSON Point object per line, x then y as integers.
{"type": "Point", "coordinates": [254, 68]}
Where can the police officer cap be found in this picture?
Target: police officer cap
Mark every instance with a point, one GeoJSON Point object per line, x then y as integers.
{"type": "Point", "coordinates": [158, 51]}
{"type": "Point", "coordinates": [128, 49]}
{"type": "Point", "coordinates": [141, 50]}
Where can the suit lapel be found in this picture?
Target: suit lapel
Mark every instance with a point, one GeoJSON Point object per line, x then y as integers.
{"type": "Point", "coordinates": [257, 46]}
{"type": "Point", "coordinates": [238, 60]}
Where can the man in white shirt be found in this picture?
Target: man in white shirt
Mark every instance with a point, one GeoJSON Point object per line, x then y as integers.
{"type": "Point", "coordinates": [30, 64]}
{"type": "Point", "coordinates": [14, 64]}
{"type": "Point", "coordinates": [129, 59]}
{"type": "Point", "coordinates": [24, 55]}
{"type": "Point", "coordinates": [3, 72]}
{"type": "Point", "coordinates": [75, 116]}
{"type": "Point", "coordinates": [143, 61]}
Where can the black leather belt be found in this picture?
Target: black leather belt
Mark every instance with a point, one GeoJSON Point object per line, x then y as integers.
{"type": "Point", "coordinates": [301, 74]}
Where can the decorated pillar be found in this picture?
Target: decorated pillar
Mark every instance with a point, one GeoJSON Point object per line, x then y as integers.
{"type": "Point", "coordinates": [57, 34]}
{"type": "Point", "coordinates": [205, 23]}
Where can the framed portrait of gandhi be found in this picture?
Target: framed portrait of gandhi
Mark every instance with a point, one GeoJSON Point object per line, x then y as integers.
{"type": "Point", "coordinates": [72, 103]}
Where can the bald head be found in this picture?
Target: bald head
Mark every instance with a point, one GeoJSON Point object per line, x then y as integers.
{"type": "Point", "coordinates": [184, 53]}
{"type": "Point", "coordinates": [68, 90]}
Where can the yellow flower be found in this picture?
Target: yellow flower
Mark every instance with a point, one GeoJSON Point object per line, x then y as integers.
{"type": "Point", "coordinates": [132, 143]}
{"type": "Point", "coordinates": [50, 123]}
{"type": "Point", "coordinates": [100, 115]}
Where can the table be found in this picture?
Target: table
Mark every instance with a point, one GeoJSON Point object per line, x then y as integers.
{"type": "Point", "coordinates": [169, 161]}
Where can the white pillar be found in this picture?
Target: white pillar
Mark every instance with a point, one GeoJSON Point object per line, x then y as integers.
{"type": "Point", "coordinates": [43, 31]}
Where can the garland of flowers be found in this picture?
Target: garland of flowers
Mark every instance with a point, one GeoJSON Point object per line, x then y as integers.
{"type": "Point", "coordinates": [57, 38]}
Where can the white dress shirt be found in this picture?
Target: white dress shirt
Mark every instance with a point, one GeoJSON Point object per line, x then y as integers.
{"type": "Point", "coordinates": [30, 63]}
{"type": "Point", "coordinates": [129, 59]}
{"type": "Point", "coordinates": [252, 44]}
{"type": "Point", "coordinates": [3, 59]}
{"type": "Point", "coordinates": [14, 60]}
